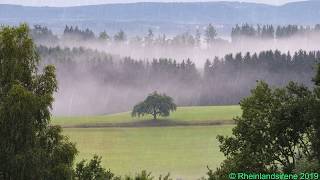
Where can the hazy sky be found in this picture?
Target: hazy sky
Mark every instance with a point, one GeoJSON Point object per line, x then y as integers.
{"type": "Point", "coordinates": [86, 2]}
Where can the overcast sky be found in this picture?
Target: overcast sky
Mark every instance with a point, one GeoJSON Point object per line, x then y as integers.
{"type": "Point", "coordinates": [86, 2]}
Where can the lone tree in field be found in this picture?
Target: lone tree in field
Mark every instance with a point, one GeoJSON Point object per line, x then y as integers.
{"type": "Point", "coordinates": [156, 105]}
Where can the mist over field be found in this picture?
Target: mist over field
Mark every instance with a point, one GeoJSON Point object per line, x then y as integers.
{"type": "Point", "coordinates": [199, 54]}
{"type": "Point", "coordinates": [104, 78]}
{"type": "Point", "coordinates": [160, 90]}
{"type": "Point", "coordinates": [107, 62]}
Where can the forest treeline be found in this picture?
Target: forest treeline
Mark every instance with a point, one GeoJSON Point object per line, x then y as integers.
{"type": "Point", "coordinates": [270, 31]}
{"type": "Point", "coordinates": [208, 35]}
{"type": "Point", "coordinates": [221, 80]}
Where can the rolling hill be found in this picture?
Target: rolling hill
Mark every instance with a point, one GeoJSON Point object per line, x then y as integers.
{"type": "Point", "coordinates": [162, 16]}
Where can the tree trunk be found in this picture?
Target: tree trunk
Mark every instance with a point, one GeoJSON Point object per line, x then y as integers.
{"type": "Point", "coordinates": [154, 116]}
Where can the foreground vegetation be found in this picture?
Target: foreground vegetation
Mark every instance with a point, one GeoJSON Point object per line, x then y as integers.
{"type": "Point", "coordinates": [192, 113]}
{"type": "Point", "coordinates": [29, 147]}
{"type": "Point", "coordinates": [278, 132]}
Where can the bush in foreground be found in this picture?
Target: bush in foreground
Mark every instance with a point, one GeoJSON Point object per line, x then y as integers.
{"type": "Point", "coordinates": [277, 132]}
{"type": "Point", "coordinates": [93, 170]}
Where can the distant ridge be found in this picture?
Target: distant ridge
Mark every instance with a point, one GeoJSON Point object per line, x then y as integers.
{"type": "Point", "coordinates": [227, 13]}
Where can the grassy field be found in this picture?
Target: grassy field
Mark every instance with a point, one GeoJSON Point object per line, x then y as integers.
{"type": "Point", "coordinates": [199, 113]}
{"type": "Point", "coordinates": [183, 151]}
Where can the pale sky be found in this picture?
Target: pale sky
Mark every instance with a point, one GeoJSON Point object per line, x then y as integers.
{"type": "Point", "coordinates": [90, 2]}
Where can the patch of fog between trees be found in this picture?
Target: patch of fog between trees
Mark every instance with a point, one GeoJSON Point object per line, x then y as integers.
{"type": "Point", "coordinates": [91, 97]}
{"type": "Point", "coordinates": [87, 95]}
{"type": "Point", "coordinates": [136, 50]}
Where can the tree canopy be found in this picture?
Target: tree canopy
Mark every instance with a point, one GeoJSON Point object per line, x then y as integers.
{"type": "Point", "coordinates": [156, 105]}
{"type": "Point", "coordinates": [29, 147]}
{"type": "Point", "coordinates": [277, 132]}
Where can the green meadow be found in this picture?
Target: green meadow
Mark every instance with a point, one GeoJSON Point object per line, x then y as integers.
{"type": "Point", "coordinates": [195, 113]}
{"type": "Point", "coordinates": [184, 151]}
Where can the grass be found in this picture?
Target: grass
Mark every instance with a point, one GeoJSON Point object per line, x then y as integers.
{"type": "Point", "coordinates": [197, 113]}
{"type": "Point", "coordinates": [183, 151]}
